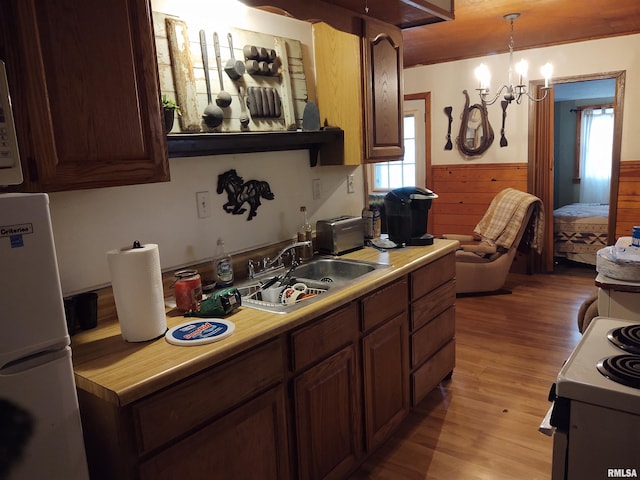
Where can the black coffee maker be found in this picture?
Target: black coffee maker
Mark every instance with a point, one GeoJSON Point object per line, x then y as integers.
{"type": "Point", "coordinates": [406, 211]}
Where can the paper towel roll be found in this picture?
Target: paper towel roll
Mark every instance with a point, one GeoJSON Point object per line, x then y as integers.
{"type": "Point", "coordinates": [136, 279]}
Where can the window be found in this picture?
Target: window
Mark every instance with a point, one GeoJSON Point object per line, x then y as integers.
{"type": "Point", "coordinates": [409, 171]}
{"type": "Point", "coordinates": [595, 151]}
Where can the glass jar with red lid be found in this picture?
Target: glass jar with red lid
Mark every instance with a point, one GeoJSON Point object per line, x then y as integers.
{"type": "Point", "coordinates": [187, 289]}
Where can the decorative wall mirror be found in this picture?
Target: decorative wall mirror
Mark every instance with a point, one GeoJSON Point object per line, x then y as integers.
{"type": "Point", "coordinates": [476, 134]}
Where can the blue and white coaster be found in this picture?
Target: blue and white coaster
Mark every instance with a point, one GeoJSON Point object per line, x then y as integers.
{"type": "Point", "coordinates": [200, 332]}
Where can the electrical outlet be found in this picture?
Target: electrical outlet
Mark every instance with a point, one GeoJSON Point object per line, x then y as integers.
{"type": "Point", "coordinates": [350, 183]}
{"type": "Point", "coordinates": [204, 207]}
{"type": "Point", "coordinates": [315, 188]}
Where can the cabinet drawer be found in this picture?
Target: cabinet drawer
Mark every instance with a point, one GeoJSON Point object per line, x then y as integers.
{"type": "Point", "coordinates": [431, 276]}
{"type": "Point", "coordinates": [426, 341]}
{"type": "Point", "coordinates": [384, 304]}
{"type": "Point", "coordinates": [172, 412]}
{"type": "Point", "coordinates": [424, 309]}
{"type": "Point", "coordinates": [249, 442]}
{"type": "Point", "coordinates": [425, 378]}
{"type": "Point", "coordinates": [319, 340]}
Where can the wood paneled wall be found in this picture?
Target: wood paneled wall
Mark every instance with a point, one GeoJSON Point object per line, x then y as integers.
{"type": "Point", "coordinates": [465, 192]}
{"type": "Point", "coordinates": [628, 198]}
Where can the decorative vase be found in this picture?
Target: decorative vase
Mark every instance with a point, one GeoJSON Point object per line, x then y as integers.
{"type": "Point", "coordinates": [169, 116]}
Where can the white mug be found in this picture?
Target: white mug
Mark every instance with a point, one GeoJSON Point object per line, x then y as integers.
{"type": "Point", "coordinates": [290, 296]}
{"type": "Point", "coordinates": [300, 287]}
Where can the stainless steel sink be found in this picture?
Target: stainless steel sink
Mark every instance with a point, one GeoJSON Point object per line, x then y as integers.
{"type": "Point", "coordinates": [333, 269]}
{"type": "Point", "coordinates": [321, 276]}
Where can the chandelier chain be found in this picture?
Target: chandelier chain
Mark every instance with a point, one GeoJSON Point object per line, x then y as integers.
{"type": "Point", "coordinates": [511, 38]}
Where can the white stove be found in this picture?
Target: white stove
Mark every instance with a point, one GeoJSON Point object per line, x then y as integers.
{"type": "Point", "coordinates": [580, 378]}
{"type": "Point", "coordinates": [597, 408]}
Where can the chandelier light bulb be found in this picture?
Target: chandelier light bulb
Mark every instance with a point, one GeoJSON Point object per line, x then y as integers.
{"type": "Point", "coordinates": [522, 67]}
{"type": "Point", "coordinates": [547, 71]}
{"type": "Point", "coordinates": [483, 75]}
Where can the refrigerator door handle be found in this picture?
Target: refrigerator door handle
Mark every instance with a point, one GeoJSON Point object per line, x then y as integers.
{"type": "Point", "coordinates": [32, 361]}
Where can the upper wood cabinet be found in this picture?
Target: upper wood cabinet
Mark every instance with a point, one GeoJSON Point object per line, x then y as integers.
{"type": "Point", "coordinates": [85, 90]}
{"type": "Point", "coordinates": [383, 89]}
{"type": "Point", "coordinates": [338, 90]}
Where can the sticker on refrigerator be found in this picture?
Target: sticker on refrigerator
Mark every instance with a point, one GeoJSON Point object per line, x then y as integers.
{"type": "Point", "coordinates": [11, 230]}
{"type": "Point", "coordinates": [15, 233]}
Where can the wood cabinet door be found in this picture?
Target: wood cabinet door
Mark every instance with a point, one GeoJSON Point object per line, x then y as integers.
{"type": "Point", "coordinates": [338, 89]}
{"type": "Point", "coordinates": [328, 417]}
{"type": "Point", "coordinates": [84, 80]}
{"type": "Point", "coordinates": [249, 442]}
{"type": "Point", "coordinates": [385, 354]}
{"type": "Point", "coordinates": [383, 92]}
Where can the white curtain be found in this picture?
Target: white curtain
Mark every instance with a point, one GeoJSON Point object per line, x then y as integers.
{"type": "Point", "coordinates": [595, 155]}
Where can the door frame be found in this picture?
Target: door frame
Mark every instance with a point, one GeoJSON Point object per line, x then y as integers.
{"type": "Point", "coordinates": [428, 180]}
{"type": "Point", "coordinates": [541, 161]}
{"type": "Point", "coordinates": [426, 98]}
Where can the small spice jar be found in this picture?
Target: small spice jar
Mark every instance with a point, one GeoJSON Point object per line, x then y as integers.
{"type": "Point", "coordinates": [187, 289]}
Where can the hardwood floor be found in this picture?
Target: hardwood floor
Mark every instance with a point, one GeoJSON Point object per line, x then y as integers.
{"type": "Point", "coordinates": [483, 422]}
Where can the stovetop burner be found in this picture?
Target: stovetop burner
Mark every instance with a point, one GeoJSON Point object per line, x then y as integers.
{"type": "Point", "coordinates": [624, 369]}
{"type": "Point", "coordinates": [627, 338]}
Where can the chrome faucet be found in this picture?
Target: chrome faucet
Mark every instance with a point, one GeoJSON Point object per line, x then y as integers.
{"type": "Point", "coordinates": [276, 263]}
{"type": "Point", "coordinates": [276, 259]}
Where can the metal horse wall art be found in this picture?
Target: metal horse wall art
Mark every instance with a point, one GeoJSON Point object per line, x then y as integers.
{"type": "Point", "coordinates": [239, 192]}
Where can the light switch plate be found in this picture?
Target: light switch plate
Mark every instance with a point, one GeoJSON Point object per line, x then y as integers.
{"type": "Point", "coordinates": [350, 183]}
{"type": "Point", "coordinates": [204, 206]}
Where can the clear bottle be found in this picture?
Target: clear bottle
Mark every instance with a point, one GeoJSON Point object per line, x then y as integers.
{"type": "Point", "coordinates": [222, 266]}
{"type": "Point", "coordinates": [305, 233]}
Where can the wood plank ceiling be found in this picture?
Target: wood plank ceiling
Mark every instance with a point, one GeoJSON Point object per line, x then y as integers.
{"type": "Point", "coordinates": [479, 29]}
{"type": "Point", "coordinates": [401, 13]}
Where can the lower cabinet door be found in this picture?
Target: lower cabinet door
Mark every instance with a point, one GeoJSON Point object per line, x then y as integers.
{"type": "Point", "coordinates": [386, 379]}
{"type": "Point", "coordinates": [249, 442]}
{"type": "Point", "coordinates": [328, 417]}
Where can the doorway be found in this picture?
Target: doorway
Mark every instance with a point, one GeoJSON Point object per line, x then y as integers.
{"type": "Point", "coordinates": [583, 135]}
{"type": "Point", "coordinates": [541, 159]}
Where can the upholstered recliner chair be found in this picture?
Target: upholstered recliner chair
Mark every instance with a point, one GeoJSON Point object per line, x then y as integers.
{"type": "Point", "coordinates": [513, 218]}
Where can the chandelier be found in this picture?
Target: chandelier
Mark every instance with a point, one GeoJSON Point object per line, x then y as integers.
{"type": "Point", "coordinates": [511, 92]}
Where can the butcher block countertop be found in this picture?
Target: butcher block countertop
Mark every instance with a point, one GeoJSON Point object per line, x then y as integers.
{"type": "Point", "coordinates": [120, 372]}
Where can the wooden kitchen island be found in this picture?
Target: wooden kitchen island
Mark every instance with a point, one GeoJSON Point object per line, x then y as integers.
{"type": "Point", "coordinates": [308, 394]}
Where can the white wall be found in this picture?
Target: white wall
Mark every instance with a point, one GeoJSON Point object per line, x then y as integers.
{"type": "Point", "coordinates": [88, 223]}
{"type": "Point", "coordinates": [446, 81]}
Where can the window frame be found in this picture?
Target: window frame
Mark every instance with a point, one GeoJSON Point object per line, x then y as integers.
{"type": "Point", "coordinates": [416, 109]}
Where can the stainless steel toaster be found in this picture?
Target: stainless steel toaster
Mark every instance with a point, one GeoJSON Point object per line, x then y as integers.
{"type": "Point", "coordinates": [339, 235]}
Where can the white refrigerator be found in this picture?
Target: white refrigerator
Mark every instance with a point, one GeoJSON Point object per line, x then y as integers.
{"type": "Point", "coordinates": [40, 428]}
